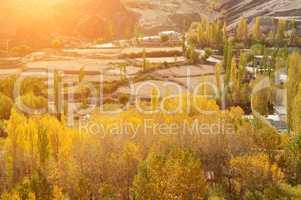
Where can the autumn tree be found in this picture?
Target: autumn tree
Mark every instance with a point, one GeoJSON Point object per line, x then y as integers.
{"type": "Point", "coordinates": [234, 73]}
{"type": "Point", "coordinates": [57, 194]}
{"type": "Point", "coordinates": [145, 63]}
{"type": "Point", "coordinates": [256, 33]}
{"type": "Point", "coordinates": [122, 69]}
{"type": "Point", "coordinates": [292, 159]}
{"type": "Point", "coordinates": [183, 43]}
{"type": "Point", "coordinates": [7, 86]}
{"type": "Point", "coordinates": [82, 74]}
{"type": "Point", "coordinates": [10, 196]}
{"type": "Point", "coordinates": [293, 37]}
{"type": "Point", "coordinates": [33, 103]}
{"type": "Point", "coordinates": [6, 105]}
{"type": "Point", "coordinates": [57, 86]}
{"type": "Point", "coordinates": [157, 175]}
{"type": "Point", "coordinates": [14, 139]}
{"type": "Point", "coordinates": [218, 78]}
{"type": "Point", "coordinates": [242, 30]}
{"type": "Point", "coordinates": [294, 74]}
{"type": "Point", "coordinates": [243, 61]}
{"type": "Point", "coordinates": [253, 173]}
{"type": "Point", "coordinates": [296, 112]}
{"type": "Point", "coordinates": [192, 55]}
{"type": "Point", "coordinates": [282, 191]}
{"type": "Point", "coordinates": [155, 99]}
{"type": "Point", "coordinates": [260, 100]}
{"type": "Point", "coordinates": [280, 35]}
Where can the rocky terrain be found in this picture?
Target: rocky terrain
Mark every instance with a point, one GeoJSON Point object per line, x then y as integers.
{"type": "Point", "coordinates": [37, 23]}
{"type": "Point", "coordinates": [232, 10]}
{"type": "Point", "coordinates": [158, 15]}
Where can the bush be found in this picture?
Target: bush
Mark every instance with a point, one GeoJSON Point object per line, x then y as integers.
{"type": "Point", "coordinates": [57, 44]}
{"type": "Point", "coordinates": [21, 50]}
{"type": "Point", "coordinates": [33, 102]}
{"type": "Point", "coordinates": [208, 53]}
{"type": "Point", "coordinates": [164, 38]}
{"type": "Point", "coordinates": [123, 99]}
{"type": "Point", "coordinates": [258, 49]}
{"type": "Point", "coordinates": [192, 55]}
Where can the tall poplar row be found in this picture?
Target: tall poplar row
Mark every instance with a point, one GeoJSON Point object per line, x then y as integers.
{"type": "Point", "coordinates": [294, 80]}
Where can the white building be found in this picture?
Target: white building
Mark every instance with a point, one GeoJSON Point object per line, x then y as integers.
{"type": "Point", "coordinates": [173, 35]}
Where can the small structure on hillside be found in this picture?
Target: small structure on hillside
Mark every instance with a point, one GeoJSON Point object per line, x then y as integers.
{"type": "Point", "coordinates": [172, 35]}
{"type": "Point", "coordinates": [172, 38]}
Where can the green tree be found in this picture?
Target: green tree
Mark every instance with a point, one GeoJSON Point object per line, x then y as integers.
{"type": "Point", "coordinates": [228, 55]}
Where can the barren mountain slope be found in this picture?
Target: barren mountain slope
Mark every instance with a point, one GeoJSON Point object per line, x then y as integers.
{"type": "Point", "coordinates": [232, 10]}
{"type": "Point", "coordinates": [156, 15]}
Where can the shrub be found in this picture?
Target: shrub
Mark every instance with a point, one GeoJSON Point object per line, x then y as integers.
{"type": "Point", "coordinates": [21, 50]}
{"type": "Point", "coordinates": [123, 98]}
{"type": "Point", "coordinates": [208, 53]}
{"type": "Point", "coordinates": [164, 38]}
{"type": "Point", "coordinates": [57, 44]}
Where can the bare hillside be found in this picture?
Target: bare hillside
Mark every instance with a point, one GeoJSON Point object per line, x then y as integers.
{"type": "Point", "coordinates": [232, 10]}
{"type": "Point", "coordinates": [156, 15]}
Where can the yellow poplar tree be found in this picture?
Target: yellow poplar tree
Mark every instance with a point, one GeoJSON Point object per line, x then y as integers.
{"type": "Point", "coordinates": [242, 30]}
{"type": "Point", "coordinates": [256, 30]}
{"type": "Point", "coordinates": [57, 193]}
{"type": "Point", "coordinates": [254, 172]}
{"type": "Point", "coordinates": [294, 74]}
{"type": "Point", "coordinates": [218, 73]}
{"type": "Point", "coordinates": [280, 36]}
